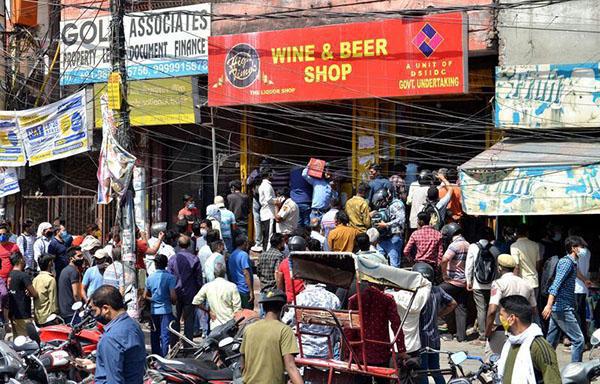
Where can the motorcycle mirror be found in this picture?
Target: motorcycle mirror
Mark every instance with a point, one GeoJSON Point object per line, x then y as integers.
{"type": "Point", "coordinates": [494, 358]}
{"type": "Point", "coordinates": [50, 318]}
{"type": "Point", "coordinates": [76, 306]}
{"type": "Point", "coordinates": [458, 357]}
{"type": "Point", "coordinates": [20, 341]}
{"type": "Point", "coordinates": [595, 340]}
{"type": "Point", "coordinates": [225, 342]}
{"type": "Point", "coordinates": [82, 314]}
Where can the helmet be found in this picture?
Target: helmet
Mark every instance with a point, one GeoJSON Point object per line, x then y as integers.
{"type": "Point", "coordinates": [424, 269]}
{"type": "Point", "coordinates": [451, 230]}
{"type": "Point", "coordinates": [157, 228]}
{"type": "Point", "coordinates": [425, 177]}
{"type": "Point", "coordinates": [381, 198]}
{"type": "Point", "coordinates": [297, 244]}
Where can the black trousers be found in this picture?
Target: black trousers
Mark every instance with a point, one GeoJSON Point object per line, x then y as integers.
{"type": "Point", "coordinates": [581, 317]}
{"type": "Point", "coordinates": [459, 294]}
{"type": "Point", "coordinates": [268, 228]}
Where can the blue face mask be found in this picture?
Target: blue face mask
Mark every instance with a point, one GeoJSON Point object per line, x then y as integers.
{"type": "Point", "coordinates": [191, 205]}
{"type": "Point", "coordinates": [4, 238]}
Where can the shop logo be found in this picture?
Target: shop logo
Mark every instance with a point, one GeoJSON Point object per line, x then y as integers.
{"type": "Point", "coordinates": [427, 40]}
{"type": "Point", "coordinates": [242, 65]}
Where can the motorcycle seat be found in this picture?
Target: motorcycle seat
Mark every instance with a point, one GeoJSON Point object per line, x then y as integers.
{"type": "Point", "coordinates": [29, 347]}
{"type": "Point", "coordinates": [205, 370]}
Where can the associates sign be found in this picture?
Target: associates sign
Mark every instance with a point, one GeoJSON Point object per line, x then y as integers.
{"type": "Point", "coordinates": [159, 43]}
{"type": "Point", "coordinates": [397, 57]}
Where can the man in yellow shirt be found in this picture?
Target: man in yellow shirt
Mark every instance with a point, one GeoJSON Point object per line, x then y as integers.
{"type": "Point", "coordinates": [269, 346]}
{"type": "Point", "coordinates": [357, 209]}
{"type": "Point", "coordinates": [44, 284]}
{"type": "Point", "coordinates": [527, 256]}
{"type": "Point", "coordinates": [342, 237]}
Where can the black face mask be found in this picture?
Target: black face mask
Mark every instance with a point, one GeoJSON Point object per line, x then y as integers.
{"type": "Point", "coordinates": [79, 262]}
{"type": "Point", "coordinates": [48, 235]}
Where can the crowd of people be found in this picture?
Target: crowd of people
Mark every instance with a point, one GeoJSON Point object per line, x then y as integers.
{"type": "Point", "coordinates": [200, 273]}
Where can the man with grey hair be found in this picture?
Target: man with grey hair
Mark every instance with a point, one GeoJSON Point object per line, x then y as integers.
{"type": "Point", "coordinates": [220, 296]}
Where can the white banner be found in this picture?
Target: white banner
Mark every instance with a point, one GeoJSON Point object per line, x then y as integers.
{"type": "Point", "coordinates": [55, 131]}
{"type": "Point", "coordinates": [160, 43]}
{"type": "Point", "coordinates": [12, 153]}
{"type": "Point", "coordinates": [9, 182]}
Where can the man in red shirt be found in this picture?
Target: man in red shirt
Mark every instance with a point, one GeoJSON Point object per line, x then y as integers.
{"type": "Point", "coordinates": [283, 274]}
{"type": "Point", "coordinates": [7, 248]}
{"type": "Point", "coordinates": [379, 312]}
{"type": "Point", "coordinates": [425, 244]}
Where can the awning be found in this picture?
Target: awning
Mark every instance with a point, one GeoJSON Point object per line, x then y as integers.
{"type": "Point", "coordinates": [533, 178]}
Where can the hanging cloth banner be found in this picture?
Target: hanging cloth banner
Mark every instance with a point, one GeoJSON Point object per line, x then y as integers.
{"type": "Point", "coordinates": [115, 166]}
{"type": "Point", "coordinates": [9, 182]}
{"type": "Point", "coordinates": [12, 153]}
{"type": "Point", "coordinates": [55, 131]}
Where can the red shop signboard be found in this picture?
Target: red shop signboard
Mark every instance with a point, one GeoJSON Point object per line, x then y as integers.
{"type": "Point", "coordinates": [393, 57]}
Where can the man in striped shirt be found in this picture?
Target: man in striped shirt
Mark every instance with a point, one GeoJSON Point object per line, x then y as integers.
{"type": "Point", "coordinates": [560, 308]}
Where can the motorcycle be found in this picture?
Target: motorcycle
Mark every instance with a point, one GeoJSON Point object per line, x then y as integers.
{"type": "Point", "coordinates": [485, 374]}
{"type": "Point", "coordinates": [584, 372]}
{"type": "Point", "coordinates": [216, 360]}
{"type": "Point", "coordinates": [88, 336]}
{"type": "Point", "coordinates": [52, 362]}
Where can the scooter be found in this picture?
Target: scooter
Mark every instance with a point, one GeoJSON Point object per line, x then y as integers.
{"type": "Point", "coordinates": [216, 360]}
{"type": "Point", "coordinates": [584, 372]}
{"type": "Point", "coordinates": [88, 337]}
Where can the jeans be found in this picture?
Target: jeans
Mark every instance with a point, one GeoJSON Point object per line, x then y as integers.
{"type": "Point", "coordinates": [188, 312]}
{"type": "Point", "coordinates": [431, 361]}
{"type": "Point", "coordinates": [228, 244]}
{"type": "Point", "coordinates": [482, 299]}
{"type": "Point", "coordinates": [582, 314]}
{"type": "Point", "coordinates": [201, 322]}
{"type": "Point", "coordinates": [566, 321]}
{"type": "Point", "coordinates": [392, 248]}
{"type": "Point", "coordinates": [460, 313]}
{"type": "Point", "coordinates": [258, 237]}
{"type": "Point", "coordinates": [304, 210]}
{"type": "Point", "coordinates": [160, 335]}
{"type": "Point", "coordinates": [317, 213]}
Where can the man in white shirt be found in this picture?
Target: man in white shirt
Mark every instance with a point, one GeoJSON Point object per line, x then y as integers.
{"type": "Point", "coordinates": [268, 200]}
{"type": "Point", "coordinates": [481, 289]}
{"type": "Point", "coordinates": [288, 214]}
{"type": "Point", "coordinates": [221, 296]}
{"type": "Point", "coordinates": [44, 235]}
{"type": "Point", "coordinates": [315, 231]}
{"type": "Point", "coordinates": [527, 256]}
{"type": "Point", "coordinates": [25, 243]}
{"type": "Point", "coordinates": [508, 284]}
{"type": "Point", "coordinates": [581, 290]}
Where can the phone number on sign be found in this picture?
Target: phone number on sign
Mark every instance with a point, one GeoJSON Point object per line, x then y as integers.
{"type": "Point", "coordinates": [159, 69]}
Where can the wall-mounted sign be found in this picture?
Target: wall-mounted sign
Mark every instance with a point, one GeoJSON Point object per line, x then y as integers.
{"type": "Point", "coordinates": [551, 96]}
{"type": "Point", "coordinates": [155, 102]}
{"type": "Point", "coordinates": [160, 43]}
{"type": "Point", "coordinates": [395, 57]}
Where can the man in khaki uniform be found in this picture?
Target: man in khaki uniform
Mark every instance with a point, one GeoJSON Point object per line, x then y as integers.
{"type": "Point", "coordinates": [269, 346]}
{"type": "Point", "coordinates": [527, 256]}
{"type": "Point", "coordinates": [507, 285]}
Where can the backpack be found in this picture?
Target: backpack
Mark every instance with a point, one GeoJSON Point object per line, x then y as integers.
{"type": "Point", "coordinates": [548, 274]}
{"type": "Point", "coordinates": [436, 217]}
{"type": "Point", "coordinates": [485, 265]}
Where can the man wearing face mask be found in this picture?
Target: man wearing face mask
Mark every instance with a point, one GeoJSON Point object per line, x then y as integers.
{"type": "Point", "coordinates": [69, 283]}
{"type": "Point", "coordinates": [41, 244]}
{"type": "Point", "coordinates": [93, 277]}
{"type": "Point", "coordinates": [58, 247]}
{"type": "Point", "coordinates": [526, 354]}
{"type": "Point", "coordinates": [25, 242]}
{"type": "Point", "coordinates": [121, 351]}
{"type": "Point", "coordinates": [560, 308]}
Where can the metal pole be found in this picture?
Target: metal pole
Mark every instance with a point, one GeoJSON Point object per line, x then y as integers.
{"type": "Point", "coordinates": [214, 161]}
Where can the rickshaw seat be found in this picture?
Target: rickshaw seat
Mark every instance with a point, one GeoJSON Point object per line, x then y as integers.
{"type": "Point", "coordinates": [348, 319]}
{"type": "Point", "coordinates": [342, 366]}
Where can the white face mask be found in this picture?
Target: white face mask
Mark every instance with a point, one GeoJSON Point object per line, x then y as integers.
{"type": "Point", "coordinates": [581, 252]}
{"type": "Point", "coordinates": [203, 232]}
{"type": "Point", "coordinates": [557, 236]}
